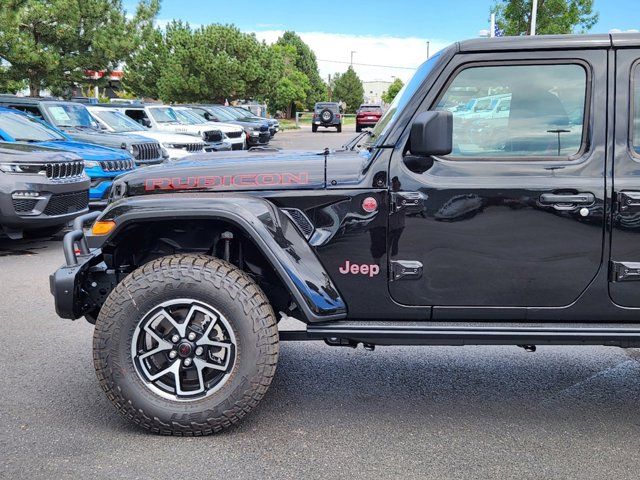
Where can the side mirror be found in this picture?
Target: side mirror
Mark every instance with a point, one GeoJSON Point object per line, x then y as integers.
{"type": "Point", "coordinates": [208, 116]}
{"type": "Point", "coordinates": [432, 133]}
{"type": "Point", "coordinates": [146, 122]}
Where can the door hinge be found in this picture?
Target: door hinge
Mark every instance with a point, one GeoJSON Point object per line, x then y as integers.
{"type": "Point", "coordinates": [406, 270]}
{"type": "Point", "coordinates": [627, 200]}
{"type": "Point", "coordinates": [409, 201]}
{"type": "Point", "coordinates": [625, 271]}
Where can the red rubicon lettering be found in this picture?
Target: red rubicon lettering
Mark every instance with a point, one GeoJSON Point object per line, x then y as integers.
{"type": "Point", "coordinates": [240, 180]}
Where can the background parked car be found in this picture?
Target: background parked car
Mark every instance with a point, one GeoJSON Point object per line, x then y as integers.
{"type": "Point", "coordinates": [234, 133]}
{"type": "Point", "coordinates": [243, 113]}
{"type": "Point", "coordinates": [75, 120]}
{"type": "Point", "coordinates": [164, 118]}
{"type": "Point", "coordinates": [175, 145]}
{"type": "Point", "coordinates": [102, 164]}
{"type": "Point", "coordinates": [327, 114]}
{"type": "Point", "coordinates": [367, 116]}
{"type": "Point", "coordinates": [41, 189]}
{"type": "Point", "coordinates": [256, 131]}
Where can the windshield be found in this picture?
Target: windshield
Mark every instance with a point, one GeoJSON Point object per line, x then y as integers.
{"type": "Point", "coordinates": [164, 115]}
{"type": "Point", "coordinates": [401, 100]}
{"type": "Point", "coordinates": [244, 113]}
{"type": "Point", "coordinates": [70, 115]}
{"type": "Point", "coordinates": [27, 129]}
{"type": "Point", "coordinates": [117, 121]}
{"type": "Point", "coordinates": [222, 114]}
{"type": "Point", "coordinates": [187, 116]}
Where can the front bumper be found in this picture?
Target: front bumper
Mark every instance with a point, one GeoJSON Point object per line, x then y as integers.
{"type": "Point", "coordinates": [56, 203]}
{"type": "Point", "coordinates": [68, 284]}
{"type": "Point", "coordinates": [223, 146]}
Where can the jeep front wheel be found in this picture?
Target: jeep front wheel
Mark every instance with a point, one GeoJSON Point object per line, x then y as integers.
{"type": "Point", "coordinates": [186, 345]}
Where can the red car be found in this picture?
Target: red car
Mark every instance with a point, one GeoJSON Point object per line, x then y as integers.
{"type": "Point", "coordinates": [367, 116]}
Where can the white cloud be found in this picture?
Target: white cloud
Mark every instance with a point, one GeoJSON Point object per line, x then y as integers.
{"type": "Point", "coordinates": [407, 52]}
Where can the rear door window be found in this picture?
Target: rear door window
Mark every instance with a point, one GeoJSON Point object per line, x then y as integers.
{"type": "Point", "coordinates": [635, 115]}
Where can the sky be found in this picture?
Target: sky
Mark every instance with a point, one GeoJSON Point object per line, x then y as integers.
{"type": "Point", "coordinates": [389, 38]}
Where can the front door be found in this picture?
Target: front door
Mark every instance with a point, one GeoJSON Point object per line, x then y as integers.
{"type": "Point", "coordinates": [513, 217]}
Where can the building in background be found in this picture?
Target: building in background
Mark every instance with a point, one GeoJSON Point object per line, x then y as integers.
{"type": "Point", "coordinates": [373, 91]}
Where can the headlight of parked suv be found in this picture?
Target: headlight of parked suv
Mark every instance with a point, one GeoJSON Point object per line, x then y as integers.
{"type": "Point", "coordinates": [21, 168]}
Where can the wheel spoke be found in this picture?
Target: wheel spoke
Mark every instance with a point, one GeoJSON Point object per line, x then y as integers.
{"type": "Point", "coordinates": [174, 368]}
{"type": "Point", "coordinates": [202, 364]}
{"type": "Point", "coordinates": [162, 343]}
{"type": "Point", "coordinates": [180, 327]}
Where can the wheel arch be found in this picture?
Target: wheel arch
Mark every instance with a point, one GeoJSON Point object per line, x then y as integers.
{"type": "Point", "coordinates": [255, 222]}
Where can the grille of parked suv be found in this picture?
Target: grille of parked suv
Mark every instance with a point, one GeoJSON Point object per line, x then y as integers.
{"type": "Point", "coordinates": [234, 134]}
{"type": "Point", "coordinates": [147, 151]}
{"type": "Point", "coordinates": [301, 220]}
{"type": "Point", "coordinates": [213, 136]}
{"type": "Point", "coordinates": [116, 165]}
{"type": "Point", "coordinates": [24, 205]}
{"type": "Point", "coordinates": [63, 169]}
{"type": "Point", "coordinates": [192, 147]}
{"type": "Point", "coordinates": [63, 203]}
{"type": "Point", "coordinates": [264, 128]}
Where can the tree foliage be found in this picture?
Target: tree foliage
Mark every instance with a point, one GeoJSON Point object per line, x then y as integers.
{"type": "Point", "coordinates": [553, 17]}
{"type": "Point", "coordinates": [218, 63]}
{"type": "Point", "coordinates": [347, 88]}
{"type": "Point", "coordinates": [52, 43]}
{"type": "Point", "coordinates": [305, 62]}
{"type": "Point", "coordinates": [392, 91]}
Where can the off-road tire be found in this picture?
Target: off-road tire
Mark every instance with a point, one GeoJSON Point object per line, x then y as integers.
{"type": "Point", "coordinates": [208, 280]}
{"type": "Point", "coordinates": [358, 128]}
{"type": "Point", "coordinates": [314, 128]}
{"type": "Point", "coordinates": [339, 128]}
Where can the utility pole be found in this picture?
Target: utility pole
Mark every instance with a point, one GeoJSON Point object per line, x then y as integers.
{"type": "Point", "coordinates": [352, 52]}
{"type": "Point", "coordinates": [492, 26]}
{"type": "Point", "coordinates": [534, 17]}
{"type": "Point", "coordinates": [428, 45]}
{"type": "Point", "coordinates": [329, 84]}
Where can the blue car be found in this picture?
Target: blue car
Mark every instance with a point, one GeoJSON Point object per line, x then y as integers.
{"type": "Point", "coordinates": [102, 164]}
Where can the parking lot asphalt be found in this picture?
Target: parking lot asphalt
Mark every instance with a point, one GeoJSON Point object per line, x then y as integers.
{"type": "Point", "coordinates": [397, 412]}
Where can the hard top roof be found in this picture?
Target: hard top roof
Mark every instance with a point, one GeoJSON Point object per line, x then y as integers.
{"type": "Point", "coordinates": [550, 42]}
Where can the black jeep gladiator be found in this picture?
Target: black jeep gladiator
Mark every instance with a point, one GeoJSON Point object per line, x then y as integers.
{"type": "Point", "coordinates": [497, 201]}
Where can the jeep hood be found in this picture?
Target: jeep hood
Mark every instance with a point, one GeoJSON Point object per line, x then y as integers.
{"type": "Point", "coordinates": [249, 171]}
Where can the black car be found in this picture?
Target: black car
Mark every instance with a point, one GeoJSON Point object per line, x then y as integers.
{"type": "Point", "coordinates": [327, 114]}
{"type": "Point", "coordinates": [257, 131]}
{"type": "Point", "coordinates": [246, 114]}
{"type": "Point", "coordinates": [41, 189]}
{"type": "Point", "coordinates": [418, 236]}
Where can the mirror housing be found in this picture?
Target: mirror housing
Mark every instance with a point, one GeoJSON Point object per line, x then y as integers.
{"type": "Point", "coordinates": [146, 122]}
{"type": "Point", "coordinates": [432, 133]}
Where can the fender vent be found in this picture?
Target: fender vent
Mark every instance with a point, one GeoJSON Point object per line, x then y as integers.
{"type": "Point", "coordinates": [300, 219]}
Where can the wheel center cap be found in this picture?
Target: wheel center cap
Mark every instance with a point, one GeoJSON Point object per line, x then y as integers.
{"type": "Point", "coordinates": [184, 349]}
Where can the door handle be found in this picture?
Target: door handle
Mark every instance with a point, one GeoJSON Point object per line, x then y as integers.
{"type": "Point", "coordinates": [562, 201]}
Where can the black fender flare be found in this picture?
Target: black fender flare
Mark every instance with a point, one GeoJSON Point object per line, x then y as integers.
{"type": "Point", "coordinates": [270, 229]}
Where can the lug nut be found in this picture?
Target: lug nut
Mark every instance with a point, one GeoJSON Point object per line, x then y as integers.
{"type": "Point", "coordinates": [199, 351]}
{"type": "Point", "coordinates": [187, 362]}
{"type": "Point", "coordinates": [173, 354]}
{"type": "Point", "coordinates": [175, 338]}
{"type": "Point", "coordinates": [192, 336]}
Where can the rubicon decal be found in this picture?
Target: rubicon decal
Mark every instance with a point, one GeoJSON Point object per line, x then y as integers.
{"type": "Point", "coordinates": [226, 181]}
{"type": "Point", "coordinates": [359, 269]}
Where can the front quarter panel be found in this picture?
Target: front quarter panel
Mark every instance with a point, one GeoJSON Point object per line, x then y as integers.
{"type": "Point", "coordinates": [272, 232]}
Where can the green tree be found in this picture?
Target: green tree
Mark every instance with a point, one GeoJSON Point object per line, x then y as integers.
{"type": "Point", "coordinates": [53, 43]}
{"type": "Point", "coordinates": [305, 61]}
{"type": "Point", "coordinates": [348, 88]}
{"type": "Point", "coordinates": [392, 91]}
{"type": "Point", "coordinates": [553, 17]}
{"type": "Point", "coordinates": [146, 65]}
{"type": "Point", "coordinates": [291, 86]}
{"type": "Point", "coordinates": [7, 84]}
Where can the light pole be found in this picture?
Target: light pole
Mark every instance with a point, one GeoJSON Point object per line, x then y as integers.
{"type": "Point", "coordinates": [352, 52]}
{"type": "Point", "coordinates": [428, 45]}
{"type": "Point", "coordinates": [534, 17]}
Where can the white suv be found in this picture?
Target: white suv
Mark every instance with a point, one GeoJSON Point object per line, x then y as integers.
{"type": "Point", "coordinates": [166, 119]}
{"type": "Point", "coordinates": [175, 145]}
